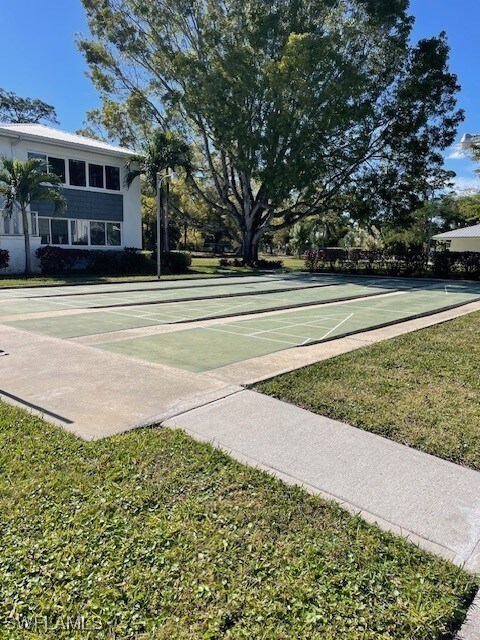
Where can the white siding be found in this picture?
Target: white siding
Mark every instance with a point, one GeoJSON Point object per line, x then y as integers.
{"type": "Point", "coordinates": [132, 217]}
{"type": "Point", "coordinates": [463, 244]}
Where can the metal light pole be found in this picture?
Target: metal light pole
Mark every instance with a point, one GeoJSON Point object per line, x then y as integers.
{"type": "Point", "coordinates": [429, 193]}
{"type": "Point", "coordinates": [160, 180]}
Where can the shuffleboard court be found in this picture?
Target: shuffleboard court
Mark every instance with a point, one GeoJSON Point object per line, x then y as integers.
{"type": "Point", "coordinates": [115, 287]}
{"type": "Point", "coordinates": [207, 348]}
{"type": "Point", "coordinates": [222, 289]}
{"type": "Point", "coordinates": [132, 317]}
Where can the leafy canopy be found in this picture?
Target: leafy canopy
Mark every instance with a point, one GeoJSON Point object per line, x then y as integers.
{"type": "Point", "coordinates": [287, 103]}
{"type": "Point", "coordinates": [13, 108]}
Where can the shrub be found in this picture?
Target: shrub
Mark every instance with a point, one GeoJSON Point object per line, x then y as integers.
{"type": "Point", "coordinates": [394, 261]}
{"type": "Point", "coordinates": [56, 260]}
{"type": "Point", "coordinates": [133, 261]}
{"type": "Point", "coordinates": [312, 260]}
{"type": "Point", "coordinates": [174, 261]}
{"type": "Point", "coordinates": [234, 262]}
{"type": "Point", "coordinates": [258, 264]}
{"type": "Point", "coordinates": [441, 265]}
{"type": "Point", "coordinates": [267, 264]}
{"type": "Point", "coordinates": [464, 264]}
{"type": "Point", "coordinates": [4, 258]}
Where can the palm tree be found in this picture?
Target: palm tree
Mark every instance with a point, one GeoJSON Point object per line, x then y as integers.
{"type": "Point", "coordinates": [22, 183]}
{"type": "Point", "coordinates": [163, 151]}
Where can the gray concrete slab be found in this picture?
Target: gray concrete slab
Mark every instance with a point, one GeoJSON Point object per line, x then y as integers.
{"type": "Point", "coordinates": [434, 503]}
{"type": "Point", "coordinates": [471, 629]}
{"type": "Point", "coordinates": [92, 393]}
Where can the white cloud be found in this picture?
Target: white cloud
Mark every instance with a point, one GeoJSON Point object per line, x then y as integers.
{"type": "Point", "coordinates": [462, 183]}
{"type": "Point", "coordinates": [456, 155]}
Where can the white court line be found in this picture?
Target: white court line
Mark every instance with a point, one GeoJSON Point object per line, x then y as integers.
{"type": "Point", "coordinates": [227, 310]}
{"type": "Point", "coordinates": [137, 317]}
{"type": "Point", "coordinates": [295, 344]}
{"type": "Point", "coordinates": [307, 325]}
{"type": "Point", "coordinates": [276, 332]}
{"type": "Point", "coordinates": [294, 325]}
{"type": "Point", "coordinates": [311, 323]}
{"type": "Point", "coordinates": [337, 326]}
{"type": "Point", "coordinates": [384, 310]}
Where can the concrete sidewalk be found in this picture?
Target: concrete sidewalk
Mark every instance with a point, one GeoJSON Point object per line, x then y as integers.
{"type": "Point", "coordinates": [93, 393]}
{"type": "Point", "coordinates": [434, 503]}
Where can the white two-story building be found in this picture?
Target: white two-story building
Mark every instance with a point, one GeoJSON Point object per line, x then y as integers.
{"type": "Point", "coordinates": [101, 212]}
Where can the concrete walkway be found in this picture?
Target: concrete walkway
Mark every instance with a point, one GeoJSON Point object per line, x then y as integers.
{"type": "Point", "coordinates": [434, 503]}
{"type": "Point", "coordinates": [92, 393]}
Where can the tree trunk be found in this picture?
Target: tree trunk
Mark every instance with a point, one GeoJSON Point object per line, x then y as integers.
{"type": "Point", "coordinates": [217, 239]}
{"type": "Point", "coordinates": [249, 247]}
{"type": "Point", "coordinates": [26, 237]}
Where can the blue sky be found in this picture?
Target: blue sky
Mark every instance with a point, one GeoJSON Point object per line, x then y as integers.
{"type": "Point", "coordinates": [41, 34]}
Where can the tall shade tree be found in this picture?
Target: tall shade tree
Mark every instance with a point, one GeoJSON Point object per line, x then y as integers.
{"type": "Point", "coordinates": [24, 183]}
{"type": "Point", "coordinates": [288, 102]}
{"type": "Point", "coordinates": [13, 108]}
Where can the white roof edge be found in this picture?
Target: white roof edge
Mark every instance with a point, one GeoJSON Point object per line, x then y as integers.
{"type": "Point", "coordinates": [57, 137]}
{"type": "Point", "coordinates": [465, 232]}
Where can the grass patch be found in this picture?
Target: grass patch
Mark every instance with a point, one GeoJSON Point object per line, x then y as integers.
{"type": "Point", "coordinates": [159, 537]}
{"type": "Point", "coordinates": [421, 389]}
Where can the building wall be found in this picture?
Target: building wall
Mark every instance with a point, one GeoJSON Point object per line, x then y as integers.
{"type": "Point", "coordinates": [464, 244]}
{"type": "Point", "coordinates": [15, 245]}
{"type": "Point", "coordinates": [89, 202]}
{"type": "Point", "coordinates": [85, 205]}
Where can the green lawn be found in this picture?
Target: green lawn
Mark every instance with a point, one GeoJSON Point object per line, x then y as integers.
{"type": "Point", "coordinates": [421, 389]}
{"type": "Point", "coordinates": [164, 538]}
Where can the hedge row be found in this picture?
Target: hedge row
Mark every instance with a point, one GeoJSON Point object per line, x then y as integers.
{"type": "Point", "coordinates": [409, 263]}
{"type": "Point", "coordinates": [130, 261]}
{"type": "Point", "coordinates": [4, 258]}
{"type": "Point", "coordinates": [258, 264]}
{"type": "Point", "coordinates": [174, 261]}
{"type": "Point", "coordinates": [454, 265]}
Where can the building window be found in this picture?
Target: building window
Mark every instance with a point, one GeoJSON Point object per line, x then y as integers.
{"type": "Point", "coordinates": [112, 178]}
{"type": "Point", "coordinates": [59, 231]}
{"type": "Point", "coordinates": [33, 224]}
{"type": "Point", "coordinates": [79, 232]}
{"type": "Point", "coordinates": [57, 166]}
{"type": "Point", "coordinates": [44, 230]}
{"type": "Point", "coordinates": [78, 176]}
{"type": "Point", "coordinates": [95, 175]}
{"type": "Point", "coordinates": [99, 176]}
{"type": "Point", "coordinates": [114, 234]}
{"type": "Point", "coordinates": [52, 165]}
{"type": "Point", "coordinates": [97, 233]}
{"type": "Point", "coordinates": [40, 156]}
